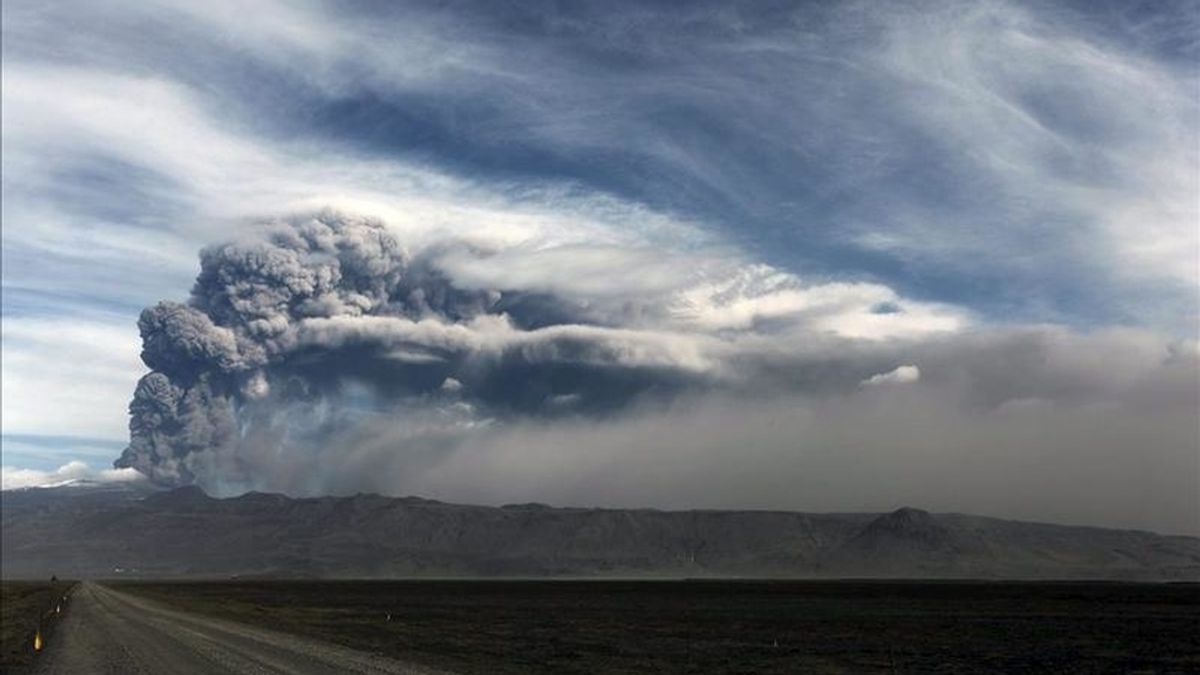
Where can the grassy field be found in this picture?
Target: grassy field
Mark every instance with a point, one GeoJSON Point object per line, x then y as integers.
{"type": "Point", "coordinates": [721, 626]}
{"type": "Point", "coordinates": [24, 607]}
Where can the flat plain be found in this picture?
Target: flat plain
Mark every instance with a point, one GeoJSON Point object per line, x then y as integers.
{"type": "Point", "coordinates": [708, 626]}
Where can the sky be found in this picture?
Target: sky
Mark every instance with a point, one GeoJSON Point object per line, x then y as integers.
{"type": "Point", "coordinates": [818, 256]}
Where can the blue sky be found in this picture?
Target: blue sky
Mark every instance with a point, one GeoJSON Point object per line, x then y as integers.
{"type": "Point", "coordinates": [987, 167]}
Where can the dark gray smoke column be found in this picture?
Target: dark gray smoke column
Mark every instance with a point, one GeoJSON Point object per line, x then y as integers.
{"type": "Point", "coordinates": [216, 357]}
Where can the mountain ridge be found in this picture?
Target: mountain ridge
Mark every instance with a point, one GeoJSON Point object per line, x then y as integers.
{"type": "Point", "coordinates": [84, 532]}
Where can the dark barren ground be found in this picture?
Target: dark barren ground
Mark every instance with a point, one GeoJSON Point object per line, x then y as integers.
{"type": "Point", "coordinates": [726, 626]}
{"type": "Point", "coordinates": [26, 607]}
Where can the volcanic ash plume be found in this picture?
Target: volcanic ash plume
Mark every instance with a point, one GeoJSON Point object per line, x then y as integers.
{"type": "Point", "coordinates": [245, 343]}
{"type": "Point", "coordinates": [315, 324]}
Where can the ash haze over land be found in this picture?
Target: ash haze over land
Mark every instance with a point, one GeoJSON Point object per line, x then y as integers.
{"type": "Point", "coordinates": [840, 257]}
{"type": "Point", "coordinates": [318, 354]}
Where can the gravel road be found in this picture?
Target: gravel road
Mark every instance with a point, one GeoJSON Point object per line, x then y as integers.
{"type": "Point", "coordinates": [106, 631]}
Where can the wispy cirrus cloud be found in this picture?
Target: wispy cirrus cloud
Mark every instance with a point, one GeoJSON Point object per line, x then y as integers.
{"type": "Point", "coordinates": [1030, 161]}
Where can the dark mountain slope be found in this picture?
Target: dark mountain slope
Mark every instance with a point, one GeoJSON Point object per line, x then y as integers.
{"type": "Point", "coordinates": [90, 532]}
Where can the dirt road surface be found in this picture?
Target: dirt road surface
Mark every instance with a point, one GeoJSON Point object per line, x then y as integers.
{"type": "Point", "coordinates": [106, 631]}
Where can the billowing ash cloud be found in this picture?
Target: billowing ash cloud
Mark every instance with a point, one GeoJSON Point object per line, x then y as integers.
{"type": "Point", "coordinates": [313, 323]}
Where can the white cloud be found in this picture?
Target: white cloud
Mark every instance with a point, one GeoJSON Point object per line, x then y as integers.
{"type": "Point", "coordinates": [742, 297]}
{"type": "Point", "coordinates": [703, 291]}
{"type": "Point", "coordinates": [906, 374]}
{"type": "Point", "coordinates": [68, 376]}
{"type": "Point", "coordinates": [208, 180]}
{"type": "Point", "coordinates": [13, 478]}
{"type": "Point", "coordinates": [1086, 147]}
